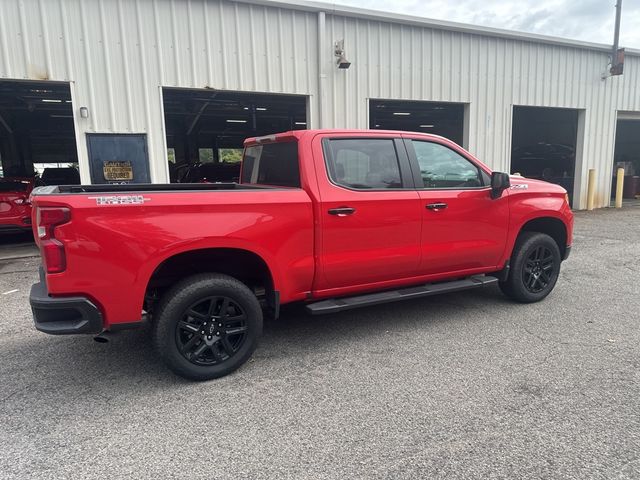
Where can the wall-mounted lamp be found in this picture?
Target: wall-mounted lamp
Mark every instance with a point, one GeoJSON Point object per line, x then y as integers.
{"type": "Point", "coordinates": [84, 112]}
{"type": "Point", "coordinates": [342, 61]}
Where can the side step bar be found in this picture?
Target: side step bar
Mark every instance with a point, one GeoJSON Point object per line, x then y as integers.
{"type": "Point", "coordinates": [334, 305]}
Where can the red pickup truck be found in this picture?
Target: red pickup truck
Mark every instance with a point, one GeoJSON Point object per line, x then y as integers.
{"type": "Point", "coordinates": [334, 218]}
{"type": "Point", "coordinates": [15, 208]}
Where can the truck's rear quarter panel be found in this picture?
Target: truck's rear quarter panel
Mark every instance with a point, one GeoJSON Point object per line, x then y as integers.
{"type": "Point", "coordinates": [112, 250]}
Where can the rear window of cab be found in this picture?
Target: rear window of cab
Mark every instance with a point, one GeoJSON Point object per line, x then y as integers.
{"type": "Point", "coordinates": [271, 164]}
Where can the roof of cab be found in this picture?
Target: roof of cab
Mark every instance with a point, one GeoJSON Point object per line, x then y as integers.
{"type": "Point", "coordinates": [298, 134]}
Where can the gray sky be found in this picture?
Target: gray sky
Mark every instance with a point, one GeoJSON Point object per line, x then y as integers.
{"type": "Point", "coordinates": [589, 20]}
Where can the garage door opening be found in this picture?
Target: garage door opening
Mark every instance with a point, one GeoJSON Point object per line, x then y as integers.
{"type": "Point", "coordinates": [206, 129]}
{"type": "Point", "coordinates": [445, 119]}
{"type": "Point", "coordinates": [543, 144]}
{"type": "Point", "coordinates": [627, 156]}
{"type": "Point", "coordinates": [37, 135]}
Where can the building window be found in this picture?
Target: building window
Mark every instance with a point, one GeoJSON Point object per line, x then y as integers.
{"type": "Point", "coordinates": [205, 155]}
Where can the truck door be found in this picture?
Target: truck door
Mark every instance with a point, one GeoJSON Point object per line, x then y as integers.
{"type": "Point", "coordinates": [463, 228]}
{"type": "Point", "coordinates": [369, 211]}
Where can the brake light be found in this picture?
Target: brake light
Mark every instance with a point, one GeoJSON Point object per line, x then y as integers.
{"type": "Point", "coordinates": [47, 219]}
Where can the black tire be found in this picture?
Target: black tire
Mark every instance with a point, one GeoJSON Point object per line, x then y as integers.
{"type": "Point", "coordinates": [198, 335]}
{"type": "Point", "coordinates": [535, 266]}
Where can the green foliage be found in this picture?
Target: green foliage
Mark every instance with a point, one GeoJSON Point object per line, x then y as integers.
{"type": "Point", "coordinates": [171, 155]}
{"type": "Point", "coordinates": [205, 155]}
{"type": "Point", "coordinates": [230, 155]}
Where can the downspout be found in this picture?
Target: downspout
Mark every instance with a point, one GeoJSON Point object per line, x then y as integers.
{"type": "Point", "coordinates": [322, 76]}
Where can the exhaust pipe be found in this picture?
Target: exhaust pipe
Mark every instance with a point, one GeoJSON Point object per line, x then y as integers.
{"type": "Point", "coordinates": [103, 337]}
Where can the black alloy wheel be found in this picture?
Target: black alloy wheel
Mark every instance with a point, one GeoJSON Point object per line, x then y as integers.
{"type": "Point", "coordinates": [535, 267]}
{"type": "Point", "coordinates": [538, 269]}
{"type": "Point", "coordinates": [206, 326]}
{"type": "Point", "coordinates": [211, 330]}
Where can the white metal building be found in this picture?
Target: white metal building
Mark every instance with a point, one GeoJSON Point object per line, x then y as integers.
{"type": "Point", "coordinates": [122, 58]}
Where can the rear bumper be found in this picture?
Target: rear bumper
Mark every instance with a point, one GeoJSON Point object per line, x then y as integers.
{"type": "Point", "coordinates": [63, 315]}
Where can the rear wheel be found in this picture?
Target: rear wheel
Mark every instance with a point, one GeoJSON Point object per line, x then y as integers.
{"type": "Point", "coordinates": [207, 326]}
{"type": "Point", "coordinates": [535, 266]}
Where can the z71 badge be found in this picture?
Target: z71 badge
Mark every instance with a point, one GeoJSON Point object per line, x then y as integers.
{"type": "Point", "coordinates": [520, 186]}
{"type": "Point", "coordinates": [120, 200]}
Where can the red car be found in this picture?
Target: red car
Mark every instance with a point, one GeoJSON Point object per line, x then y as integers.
{"type": "Point", "coordinates": [336, 219]}
{"type": "Point", "coordinates": [15, 207]}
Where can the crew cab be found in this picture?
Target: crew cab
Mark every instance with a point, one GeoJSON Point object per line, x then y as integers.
{"type": "Point", "coordinates": [336, 219]}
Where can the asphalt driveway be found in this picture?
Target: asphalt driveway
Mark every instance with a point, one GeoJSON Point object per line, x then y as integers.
{"type": "Point", "coordinates": [465, 385]}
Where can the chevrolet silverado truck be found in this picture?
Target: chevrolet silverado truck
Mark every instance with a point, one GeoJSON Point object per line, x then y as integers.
{"type": "Point", "coordinates": [337, 219]}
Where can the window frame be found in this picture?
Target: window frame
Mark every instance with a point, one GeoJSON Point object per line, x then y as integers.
{"type": "Point", "coordinates": [406, 175]}
{"type": "Point", "coordinates": [417, 176]}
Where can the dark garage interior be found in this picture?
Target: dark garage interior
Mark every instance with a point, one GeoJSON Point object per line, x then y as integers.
{"type": "Point", "coordinates": [206, 129]}
{"type": "Point", "coordinates": [544, 144]}
{"type": "Point", "coordinates": [445, 119]}
{"type": "Point", "coordinates": [36, 128]}
{"type": "Point", "coordinates": [627, 156]}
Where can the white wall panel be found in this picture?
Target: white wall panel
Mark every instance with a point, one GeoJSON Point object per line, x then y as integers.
{"type": "Point", "coordinates": [118, 54]}
{"type": "Point", "coordinates": [492, 74]}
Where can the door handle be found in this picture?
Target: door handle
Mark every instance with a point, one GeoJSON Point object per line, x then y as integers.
{"type": "Point", "coordinates": [436, 206]}
{"type": "Point", "coordinates": [342, 211]}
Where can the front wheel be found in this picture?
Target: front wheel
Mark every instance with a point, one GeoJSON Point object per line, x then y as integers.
{"type": "Point", "coordinates": [535, 266]}
{"type": "Point", "coordinates": [207, 326]}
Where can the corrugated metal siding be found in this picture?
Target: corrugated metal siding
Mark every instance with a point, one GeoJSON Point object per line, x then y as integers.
{"type": "Point", "coordinates": [395, 61]}
{"type": "Point", "coordinates": [119, 53]}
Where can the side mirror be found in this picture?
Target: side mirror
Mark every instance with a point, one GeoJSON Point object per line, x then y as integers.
{"type": "Point", "coordinates": [499, 183]}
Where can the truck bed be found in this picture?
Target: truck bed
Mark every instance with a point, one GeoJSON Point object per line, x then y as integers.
{"type": "Point", "coordinates": [146, 187]}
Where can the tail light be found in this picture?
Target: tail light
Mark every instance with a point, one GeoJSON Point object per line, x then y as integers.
{"type": "Point", "coordinates": [47, 219]}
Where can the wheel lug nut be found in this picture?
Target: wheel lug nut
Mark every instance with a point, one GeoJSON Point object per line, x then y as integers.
{"type": "Point", "coordinates": [217, 334]}
{"type": "Point", "coordinates": [209, 337]}
{"type": "Point", "coordinates": [202, 332]}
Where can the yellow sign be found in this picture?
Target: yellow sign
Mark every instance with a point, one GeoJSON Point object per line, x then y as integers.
{"type": "Point", "coordinates": [117, 171]}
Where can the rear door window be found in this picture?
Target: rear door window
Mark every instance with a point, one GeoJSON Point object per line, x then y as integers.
{"type": "Point", "coordinates": [367, 164]}
{"type": "Point", "coordinates": [272, 164]}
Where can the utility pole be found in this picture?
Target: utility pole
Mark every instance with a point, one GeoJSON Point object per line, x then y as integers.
{"type": "Point", "coordinates": [617, 54]}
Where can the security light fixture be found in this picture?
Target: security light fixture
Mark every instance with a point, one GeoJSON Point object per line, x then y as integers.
{"type": "Point", "coordinates": [426, 126]}
{"type": "Point", "coordinates": [51, 100]}
{"type": "Point", "coordinates": [301, 123]}
{"type": "Point", "coordinates": [402, 113]}
{"type": "Point", "coordinates": [84, 112]}
{"type": "Point", "coordinates": [236, 121]}
{"type": "Point", "coordinates": [342, 61]}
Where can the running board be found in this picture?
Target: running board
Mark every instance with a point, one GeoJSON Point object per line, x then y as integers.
{"type": "Point", "coordinates": [334, 305]}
